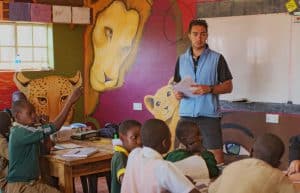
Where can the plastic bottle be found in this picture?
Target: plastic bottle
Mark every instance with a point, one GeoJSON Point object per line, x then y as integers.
{"type": "Point", "coordinates": [18, 62]}
{"type": "Point", "coordinates": [116, 140]}
{"type": "Point", "coordinates": [116, 136]}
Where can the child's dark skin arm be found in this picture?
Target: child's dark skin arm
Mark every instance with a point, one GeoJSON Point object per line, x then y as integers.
{"type": "Point", "coordinates": [121, 178]}
{"type": "Point", "coordinates": [61, 117]}
{"type": "Point", "coordinates": [194, 191]}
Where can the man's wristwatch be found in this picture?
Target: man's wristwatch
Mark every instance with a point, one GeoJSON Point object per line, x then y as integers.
{"type": "Point", "coordinates": [211, 89]}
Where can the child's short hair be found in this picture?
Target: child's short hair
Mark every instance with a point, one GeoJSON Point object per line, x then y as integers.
{"type": "Point", "coordinates": [153, 132]}
{"type": "Point", "coordinates": [269, 148]}
{"type": "Point", "coordinates": [5, 122]}
{"type": "Point", "coordinates": [17, 106]}
{"type": "Point", "coordinates": [18, 95]}
{"type": "Point", "coordinates": [127, 124]}
{"type": "Point", "coordinates": [184, 127]}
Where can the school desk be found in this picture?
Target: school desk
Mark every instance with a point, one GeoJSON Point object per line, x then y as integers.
{"type": "Point", "coordinates": [67, 168]}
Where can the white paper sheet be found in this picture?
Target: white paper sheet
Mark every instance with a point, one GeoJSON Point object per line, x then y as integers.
{"type": "Point", "coordinates": [184, 86]}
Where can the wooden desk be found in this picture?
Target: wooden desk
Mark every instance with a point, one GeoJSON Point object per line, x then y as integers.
{"type": "Point", "coordinates": [297, 185]}
{"type": "Point", "coordinates": [68, 168]}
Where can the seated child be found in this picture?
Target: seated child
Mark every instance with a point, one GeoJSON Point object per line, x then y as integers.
{"type": "Point", "coordinates": [188, 133]}
{"type": "Point", "coordinates": [147, 171]}
{"type": "Point", "coordinates": [16, 96]}
{"type": "Point", "coordinates": [24, 141]}
{"type": "Point", "coordinates": [130, 135]}
{"type": "Point", "coordinates": [257, 174]}
{"type": "Point", "coordinates": [294, 158]}
{"type": "Point", "coordinates": [5, 124]}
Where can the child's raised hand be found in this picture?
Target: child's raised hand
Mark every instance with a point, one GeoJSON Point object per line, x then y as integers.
{"type": "Point", "coordinates": [43, 119]}
{"type": "Point", "coordinates": [75, 95]}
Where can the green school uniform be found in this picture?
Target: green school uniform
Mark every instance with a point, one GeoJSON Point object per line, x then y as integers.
{"type": "Point", "coordinates": [118, 165]}
{"type": "Point", "coordinates": [24, 154]}
{"type": "Point", "coordinates": [208, 157]}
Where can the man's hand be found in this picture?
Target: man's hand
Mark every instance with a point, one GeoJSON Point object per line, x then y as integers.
{"type": "Point", "coordinates": [201, 89]}
{"type": "Point", "coordinates": [294, 167]}
{"type": "Point", "coordinates": [178, 95]}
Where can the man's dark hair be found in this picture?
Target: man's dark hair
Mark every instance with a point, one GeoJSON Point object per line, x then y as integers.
{"type": "Point", "coordinates": [17, 106]}
{"type": "Point", "coordinates": [200, 22]}
{"type": "Point", "coordinates": [5, 122]}
{"type": "Point", "coordinates": [269, 148]}
{"type": "Point", "coordinates": [127, 124]}
{"type": "Point", "coordinates": [153, 132]}
{"type": "Point", "coordinates": [184, 127]}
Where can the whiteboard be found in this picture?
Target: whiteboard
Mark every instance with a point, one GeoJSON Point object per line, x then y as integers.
{"type": "Point", "coordinates": [295, 61]}
{"type": "Point", "coordinates": [262, 55]}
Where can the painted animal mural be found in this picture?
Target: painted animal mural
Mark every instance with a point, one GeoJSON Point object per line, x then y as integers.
{"type": "Point", "coordinates": [163, 105]}
{"type": "Point", "coordinates": [111, 44]}
{"type": "Point", "coordinates": [48, 94]}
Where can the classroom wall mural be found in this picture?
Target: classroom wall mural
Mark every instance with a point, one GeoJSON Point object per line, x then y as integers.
{"type": "Point", "coordinates": [49, 94]}
{"type": "Point", "coordinates": [7, 86]}
{"type": "Point", "coordinates": [127, 55]}
{"type": "Point", "coordinates": [68, 59]}
{"type": "Point", "coordinates": [163, 105]}
{"type": "Point", "coordinates": [242, 128]}
{"type": "Point", "coordinates": [111, 44]}
{"type": "Point", "coordinates": [128, 78]}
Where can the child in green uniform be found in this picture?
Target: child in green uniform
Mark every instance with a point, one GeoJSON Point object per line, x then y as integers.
{"type": "Point", "coordinates": [188, 133]}
{"type": "Point", "coordinates": [24, 141]}
{"type": "Point", "coordinates": [130, 135]}
{"type": "Point", "coordinates": [5, 124]}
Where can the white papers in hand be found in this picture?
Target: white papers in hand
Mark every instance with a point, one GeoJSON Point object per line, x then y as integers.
{"type": "Point", "coordinates": [184, 86]}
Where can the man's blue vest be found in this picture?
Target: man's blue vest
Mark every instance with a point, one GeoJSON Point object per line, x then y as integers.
{"type": "Point", "coordinates": [207, 74]}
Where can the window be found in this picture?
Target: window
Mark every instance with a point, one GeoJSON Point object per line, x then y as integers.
{"type": "Point", "coordinates": [26, 46]}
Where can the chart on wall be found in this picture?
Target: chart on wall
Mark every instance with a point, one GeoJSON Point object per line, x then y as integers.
{"type": "Point", "coordinates": [261, 51]}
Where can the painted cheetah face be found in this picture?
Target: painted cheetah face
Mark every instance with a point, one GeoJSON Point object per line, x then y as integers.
{"type": "Point", "coordinates": [49, 94]}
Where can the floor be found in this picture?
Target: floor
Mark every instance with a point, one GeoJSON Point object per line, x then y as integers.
{"type": "Point", "coordinates": [102, 187]}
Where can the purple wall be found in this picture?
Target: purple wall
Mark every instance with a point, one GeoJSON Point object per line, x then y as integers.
{"type": "Point", "coordinates": [153, 68]}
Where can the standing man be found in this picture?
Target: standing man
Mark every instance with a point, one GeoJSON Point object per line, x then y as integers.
{"type": "Point", "coordinates": [212, 76]}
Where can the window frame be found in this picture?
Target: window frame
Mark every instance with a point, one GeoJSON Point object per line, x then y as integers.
{"type": "Point", "coordinates": [37, 65]}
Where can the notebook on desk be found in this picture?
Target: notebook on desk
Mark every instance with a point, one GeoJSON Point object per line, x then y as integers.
{"type": "Point", "coordinates": [81, 152]}
{"type": "Point", "coordinates": [61, 146]}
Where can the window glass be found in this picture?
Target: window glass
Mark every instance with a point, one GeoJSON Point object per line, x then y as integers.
{"type": "Point", "coordinates": [7, 37]}
{"type": "Point", "coordinates": [40, 35]}
{"type": "Point", "coordinates": [26, 46]}
{"type": "Point", "coordinates": [24, 35]}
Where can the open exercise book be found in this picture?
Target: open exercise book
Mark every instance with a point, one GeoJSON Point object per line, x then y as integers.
{"type": "Point", "coordinates": [196, 168]}
{"type": "Point", "coordinates": [81, 152]}
{"type": "Point", "coordinates": [60, 146]}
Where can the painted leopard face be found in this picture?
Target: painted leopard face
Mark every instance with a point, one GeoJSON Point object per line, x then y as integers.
{"type": "Point", "coordinates": [49, 94]}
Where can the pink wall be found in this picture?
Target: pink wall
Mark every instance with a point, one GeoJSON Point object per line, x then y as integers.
{"type": "Point", "coordinates": [153, 68]}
